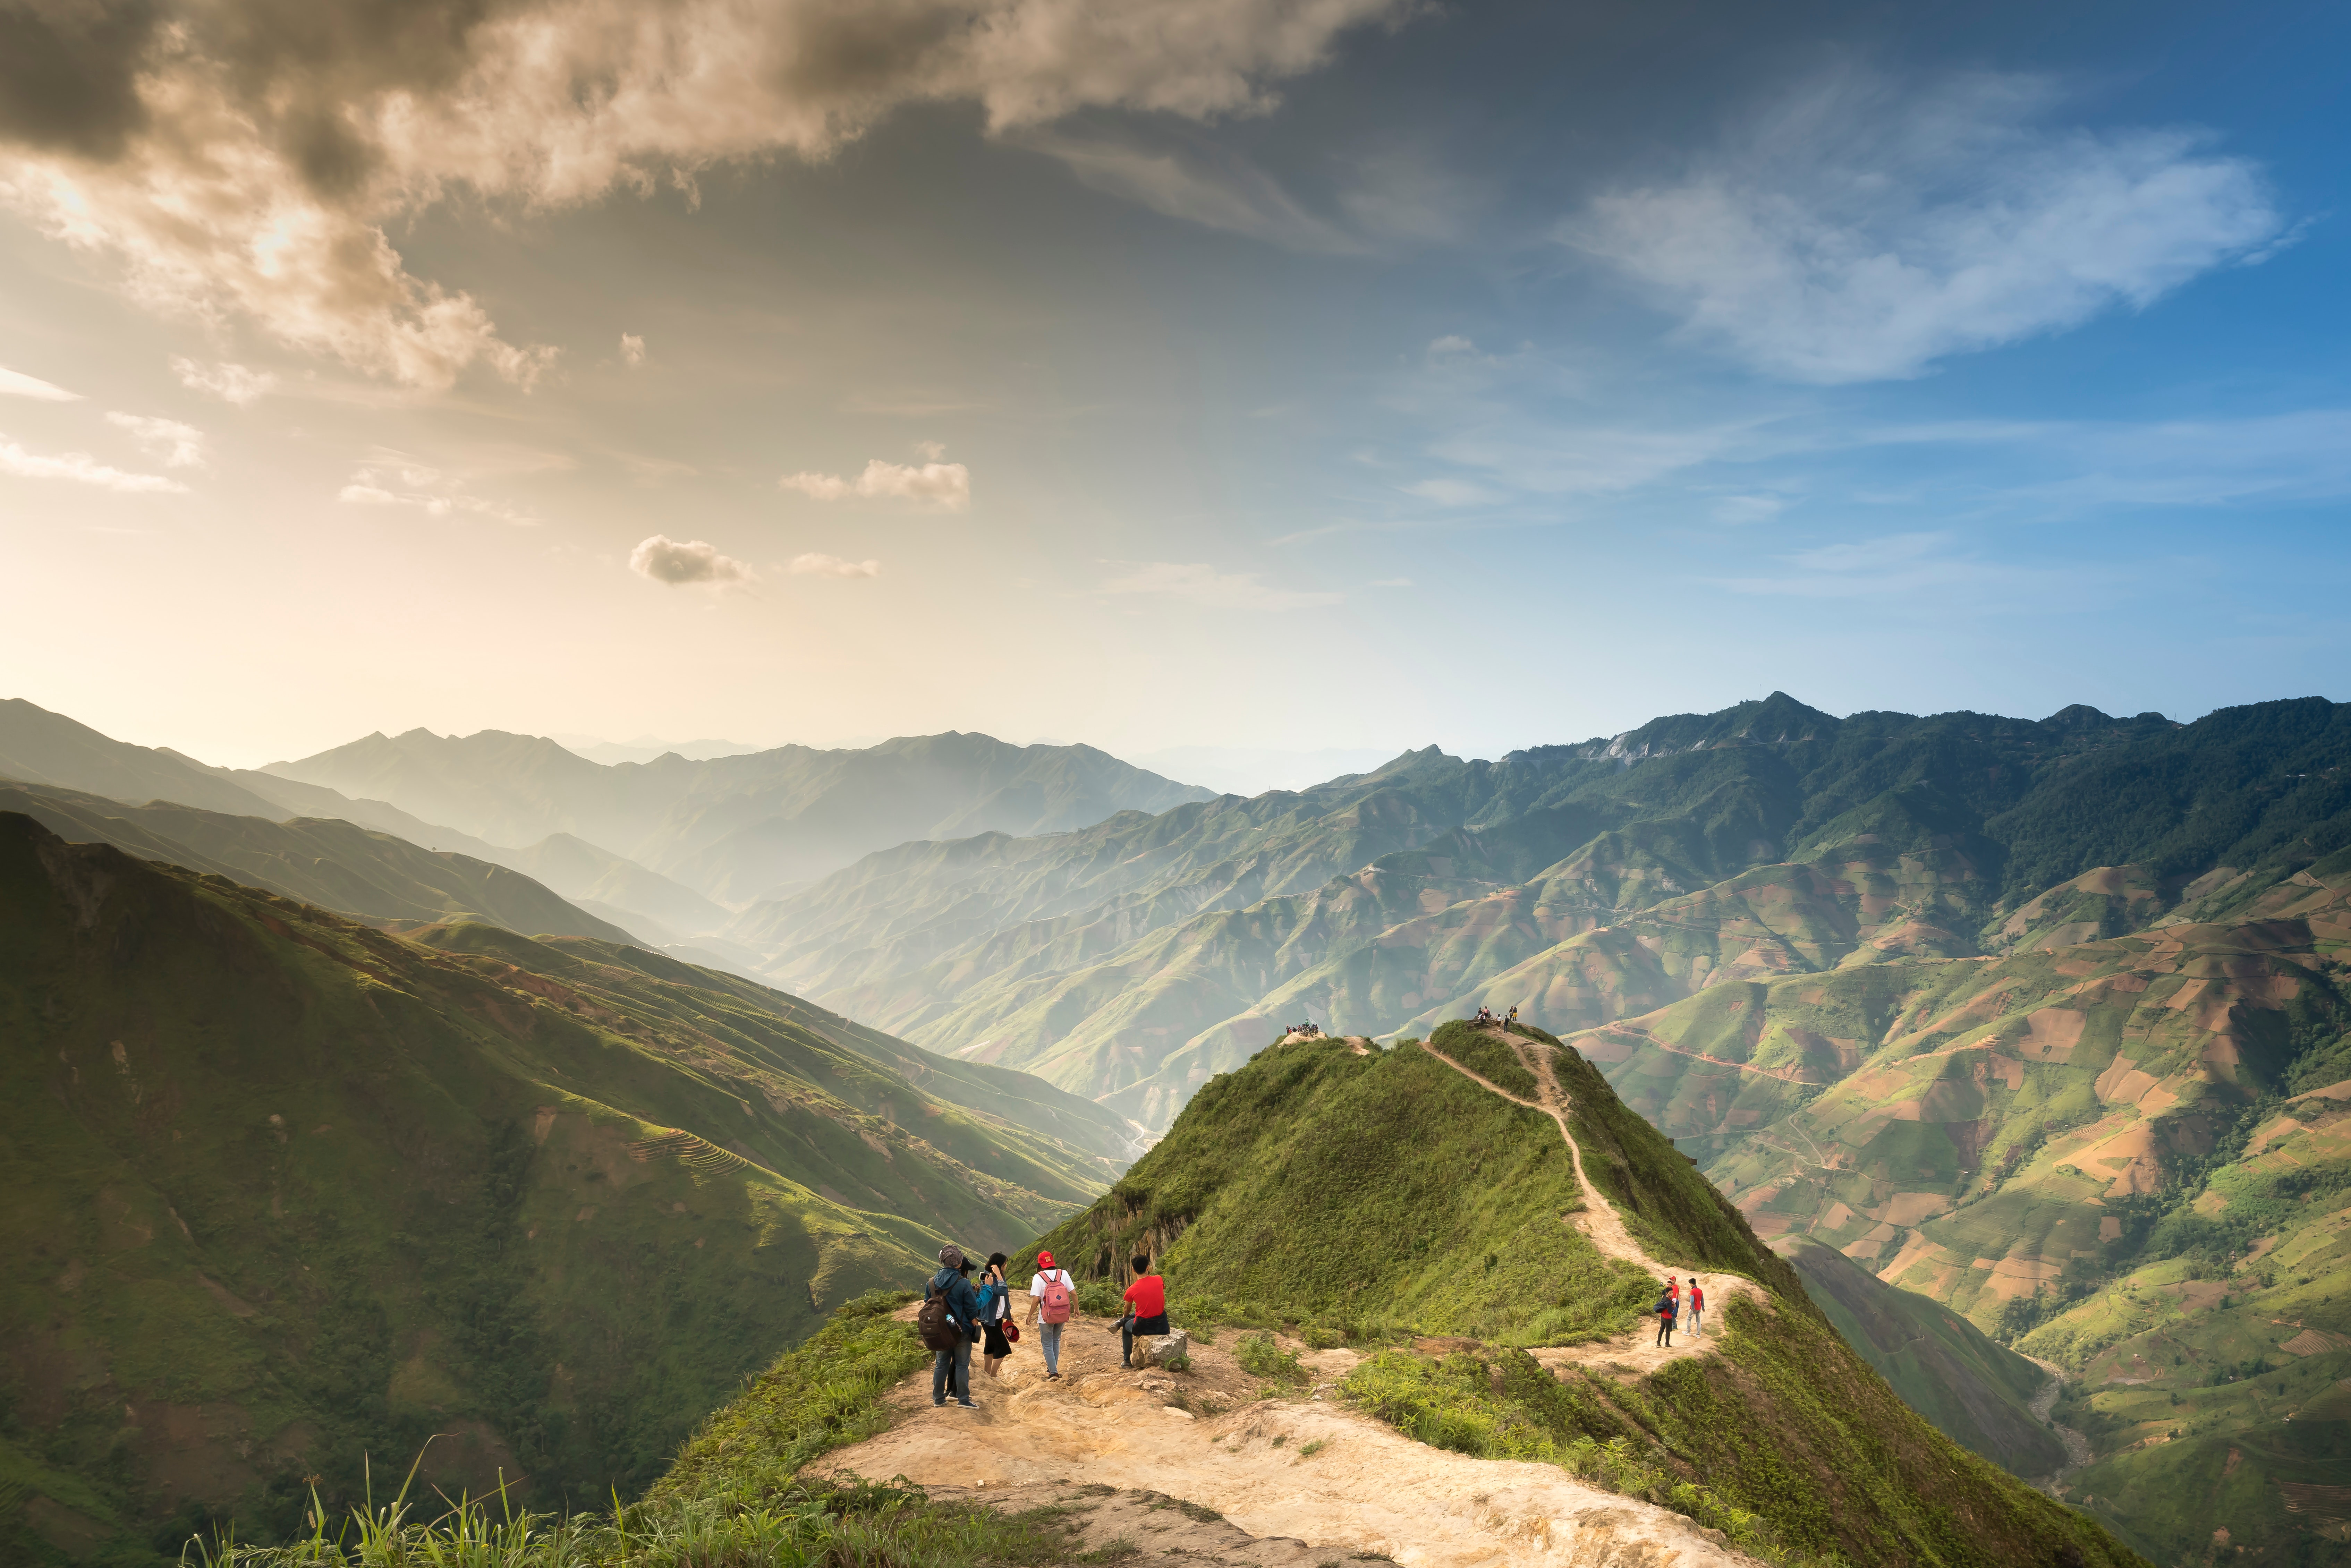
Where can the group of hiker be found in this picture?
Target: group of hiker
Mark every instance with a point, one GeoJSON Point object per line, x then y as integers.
{"type": "Point", "coordinates": [1681, 1300]}
{"type": "Point", "coordinates": [958, 1312]}
{"type": "Point", "coordinates": [1310, 1030]}
{"type": "Point", "coordinates": [1488, 1019]}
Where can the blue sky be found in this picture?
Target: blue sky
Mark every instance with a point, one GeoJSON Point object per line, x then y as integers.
{"type": "Point", "coordinates": [1290, 374]}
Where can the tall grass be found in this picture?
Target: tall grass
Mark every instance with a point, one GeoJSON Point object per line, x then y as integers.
{"type": "Point", "coordinates": [733, 1498]}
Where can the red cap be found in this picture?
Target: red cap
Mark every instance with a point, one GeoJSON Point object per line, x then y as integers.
{"type": "Point", "coordinates": [1044, 1259]}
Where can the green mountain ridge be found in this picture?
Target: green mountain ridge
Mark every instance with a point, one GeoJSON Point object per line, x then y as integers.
{"type": "Point", "coordinates": [287, 1189]}
{"type": "Point", "coordinates": [371, 876]}
{"type": "Point", "coordinates": [1132, 960]}
{"type": "Point", "coordinates": [1375, 1197]}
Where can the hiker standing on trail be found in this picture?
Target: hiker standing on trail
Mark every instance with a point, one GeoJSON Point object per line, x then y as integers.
{"type": "Point", "coordinates": [1510, 1019]}
{"type": "Point", "coordinates": [1664, 1309]}
{"type": "Point", "coordinates": [1694, 1300]}
{"type": "Point", "coordinates": [958, 1315]}
{"type": "Point", "coordinates": [1052, 1296]}
{"type": "Point", "coordinates": [995, 1311]}
{"type": "Point", "coordinates": [1146, 1311]}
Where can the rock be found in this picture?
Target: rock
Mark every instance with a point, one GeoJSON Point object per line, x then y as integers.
{"type": "Point", "coordinates": [1158, 1350]}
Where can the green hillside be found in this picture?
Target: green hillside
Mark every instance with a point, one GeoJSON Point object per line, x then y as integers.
{"type": "Point", "coordinates": [371, 876]}
{"type": "Point", "coordinates": [287, 1190]}
{"type": "Point", "coordinates": [1368, 1197]}
{"type": "Point", "coordinates": [1134, 959]}
{"type": "Point", "coordinates": [1974, 1389]}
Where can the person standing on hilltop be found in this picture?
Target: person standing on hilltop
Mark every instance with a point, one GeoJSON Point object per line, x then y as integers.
{"type": "Point", "coordinates": [1146, 1310]}
{"type": "Point", "coordinates": [1694, 1300]}
{"type": "Point", "coordinates": [1052, 1296]}
{"type": "Point", "coordinates": [1666, 1304]}
{"type": "Point", "coordinates": [1510, 1019]}
{"type": "Point", "coordinates": [952, 1366]}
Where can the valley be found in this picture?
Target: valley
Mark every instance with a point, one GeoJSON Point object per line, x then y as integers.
{"type": "Point", "coordinates": [2002, 1039]}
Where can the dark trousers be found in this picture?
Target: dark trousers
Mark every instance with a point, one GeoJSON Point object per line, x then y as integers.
{"type": "Point", "coordinates": [1665, 1328]}
{"type": "Point", "coordinates": [1134, 1329]}
{"type": "Point", "coordinates": [954, 1365]}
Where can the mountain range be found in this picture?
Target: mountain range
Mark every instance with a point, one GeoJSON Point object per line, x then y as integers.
{"type": "Point", "coordinates": [736, 828]}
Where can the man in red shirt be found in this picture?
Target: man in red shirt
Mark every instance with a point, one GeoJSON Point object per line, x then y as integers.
{"type": "Point", "coordinates": [1146, 1311]}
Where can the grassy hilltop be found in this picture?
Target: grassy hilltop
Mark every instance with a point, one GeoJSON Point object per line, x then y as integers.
{"type": "Point", "coordinates": [1369, 1197]}
{"type": "Point", "coordinates": [285, 1190]}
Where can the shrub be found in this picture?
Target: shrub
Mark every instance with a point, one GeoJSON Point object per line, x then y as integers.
{"type": "Point", "coordinates": [1260, 1357]}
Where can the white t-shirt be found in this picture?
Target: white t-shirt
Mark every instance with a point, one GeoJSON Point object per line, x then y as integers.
{"type": "Point", "coordinates": [1037, 1286]}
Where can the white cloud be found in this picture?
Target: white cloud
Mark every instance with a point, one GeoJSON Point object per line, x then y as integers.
{"type": "Point", "coordinates": [228, 171]}
{"type": "Point", "coordinates": [424, 488]}
{"type": "Point", "coordinates": [1891, 566]}
{"type": "Point", "coordinates": [930, 451]}
{"type": "Point", "coordinates": [81, 468]}
{"type": "Point", "coordinates": [1452, 343]}
{"type": "Point", "coordinates": [17, 384]}
{"type": "Point", "coordinates": [815, 564]}
{"type": "Point", "coordinates": [1453, 492]}
{"type": "Point", "coordinates": [228, 383]}
{"type": "Point", "coordinates": [946, 485]}
{"type": "Point", "coordinates": [679, 562]}
{"type": "Point", "coordinates": [179, 445]}
{"type": "Point", "coordinates": [1741, 510]}
{"type": "Point", "coordinates": [1203, 585]}
{"type": "Point", "coordinates": [1870, 226]}
{"type": "Point", "coordinates": [633, 349]}
{"type": "Point", "coordinates": [1196, 181]}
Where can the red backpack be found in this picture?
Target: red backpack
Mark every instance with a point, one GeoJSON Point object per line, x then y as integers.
{"type": "Point", "coordinates": [1053, 1306]}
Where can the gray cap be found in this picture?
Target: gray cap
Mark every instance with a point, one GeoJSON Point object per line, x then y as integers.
{"type": "Point", "coordinates": [951, 1257]}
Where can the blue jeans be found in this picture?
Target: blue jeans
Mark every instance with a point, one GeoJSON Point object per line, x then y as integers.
{"type": "Point", "coordinates": [952, 1364]}
{"type": "Point", "coordinates": [1049, 1339]}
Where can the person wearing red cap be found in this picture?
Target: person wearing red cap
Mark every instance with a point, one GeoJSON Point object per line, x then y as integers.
{"type": "Point", "coordinates": [1052, 1297]}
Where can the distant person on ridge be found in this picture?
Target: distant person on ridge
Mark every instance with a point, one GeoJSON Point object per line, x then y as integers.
{"type": "Point", "coordinates": [1694, 1299]}
{"type": "Point", "coordinates": [1052, 1297]}
{"type": "Point", "coordinates": [1146, 1311]}
{"type": "Point", "coordinates": [1665, 1305]}
{"type": "Point", "coordinates": [995, 1311]}
{"type": "Point", "coordinates": [953, 1365]}
{"type": "Point", "coordinates": [1510, 1020]}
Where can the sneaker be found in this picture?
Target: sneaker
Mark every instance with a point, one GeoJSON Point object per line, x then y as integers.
{"type": "Point", "coordinates": [966, 1404]}
{"type": "Point", "coordinates": [938, 1404]}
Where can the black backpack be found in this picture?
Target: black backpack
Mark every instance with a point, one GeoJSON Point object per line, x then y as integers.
{"type": "Point", "coordinates": [936, 1329]}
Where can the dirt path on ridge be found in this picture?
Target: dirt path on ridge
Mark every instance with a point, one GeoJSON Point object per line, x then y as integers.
{"type": "Point", "coordinates": [1298, 1481]}
{"type": "Point", "coordinates": [1600, 1222]}
{"type": "Point", "coordinates": [1203, 1465]}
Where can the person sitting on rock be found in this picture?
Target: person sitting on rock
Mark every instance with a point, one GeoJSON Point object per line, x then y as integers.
{"type": "Point", "coordinates": [1146, 1310]}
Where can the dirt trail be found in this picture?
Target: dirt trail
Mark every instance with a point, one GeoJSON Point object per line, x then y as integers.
{"type": "Point", "coordinates": [1600, 1221]}
{"type": "Point", "coordinates": [1365, 1488]}
{"type": "Point", "coordinates": [1308, 1479]}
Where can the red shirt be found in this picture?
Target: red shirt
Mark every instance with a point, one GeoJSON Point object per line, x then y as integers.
{"type": "Point", "coordinates": [1148, 1296]}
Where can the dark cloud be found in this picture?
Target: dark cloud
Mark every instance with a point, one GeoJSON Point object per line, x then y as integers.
{"type": "Point", "coordinates": [69, 72]}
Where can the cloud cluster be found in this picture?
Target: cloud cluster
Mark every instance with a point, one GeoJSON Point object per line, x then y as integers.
{"type": "Point", "coordinates": [815, 564]}
{"type": "Point", "coordinates": [944, 486]}
{"type": "Point", "coordinates": [229, 383]}
{"type": "Point", "coordinates": [17, 384]}
{"type": "Point", "coordinates": [179, 445]}
{"type": "Point", "coordinates": [1193, 583]}
{"type": "Point", "coordinates": [242, 160]}
{"type": "Point", "coordinates": [394, 481]}
{"type": "Point", "coordinates": [680, 562]}
{"type": "Point", "coordinates": [1870, 226]}
{"type": "Point", "coordinates": [82, 469]}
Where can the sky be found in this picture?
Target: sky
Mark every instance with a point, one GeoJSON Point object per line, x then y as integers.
{"type": "Point", "coordinates": [1224, 379]}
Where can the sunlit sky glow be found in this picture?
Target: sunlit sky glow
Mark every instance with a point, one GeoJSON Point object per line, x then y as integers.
{"type": "Point", "coordinates": [1300, 375]}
